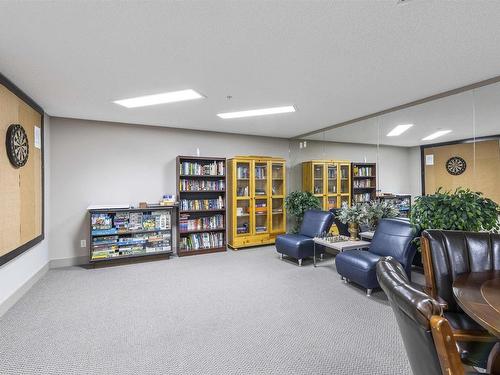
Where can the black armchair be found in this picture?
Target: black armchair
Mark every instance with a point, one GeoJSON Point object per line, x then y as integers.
{"type": "Point", "coordinates": [392, 237]}
{"type": "Point", "coordinates": [301, 245]}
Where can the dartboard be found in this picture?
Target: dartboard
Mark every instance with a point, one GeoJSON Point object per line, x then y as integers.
{"type": "Point", "coordinates": [17, 145]}
{"type": "Point", "coordinates": [456, 165]}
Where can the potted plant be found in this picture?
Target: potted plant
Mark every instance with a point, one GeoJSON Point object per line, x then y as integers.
{"type": "Point", "coordinates": [353, 216]}
{"type": "Point", "coordinates": [298, 202]}
{"type": "Point", "coordinates": [461, 210]}
{"type": "Point", "coordinates": [375, 211]}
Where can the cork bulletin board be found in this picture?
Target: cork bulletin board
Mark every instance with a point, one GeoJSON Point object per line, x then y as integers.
{"type": "Point", "coordinates": [482, 172]}
{"type": "Point", "coordinates": [21, 186]}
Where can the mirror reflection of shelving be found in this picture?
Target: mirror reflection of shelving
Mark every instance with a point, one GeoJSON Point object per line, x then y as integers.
{"type": "Point", "coordinates": [332, 202]}
{"type": "Point", "coordinates": [332, 179]}
{"type": "Point", "coordinates": [318, 179]}
{"type": "Point", "coordinates": [260, 179]}
{"type": "Point", "coordinates": [344, 179]}
{"type": "Point", "coordinates": [243, 179]}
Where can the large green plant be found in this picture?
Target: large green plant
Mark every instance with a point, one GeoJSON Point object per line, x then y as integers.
{"type": "Point", "coordinates": [298, 202]}
{"type": "Point", "coordinates": [461, 210]}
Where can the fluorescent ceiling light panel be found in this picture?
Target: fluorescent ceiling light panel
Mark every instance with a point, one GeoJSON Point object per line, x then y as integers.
{"type": "Point", "coordinates": [166, 97]}
{"type": "Point", "coordinates": [258, 112]}
{"type": "Point", "coordinates": [398, 130]}
{"type": "Point", "coordinates": [436, 135]}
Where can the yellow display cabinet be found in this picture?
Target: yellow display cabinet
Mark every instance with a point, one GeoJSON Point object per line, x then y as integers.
{"type": "Point", "coordinates": [256, 200]}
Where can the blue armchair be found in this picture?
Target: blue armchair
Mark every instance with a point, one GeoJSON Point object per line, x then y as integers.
{"type": "Point", "coordinates": [301, 245]}
{"type": "Point", "coordinates": [393, 238]}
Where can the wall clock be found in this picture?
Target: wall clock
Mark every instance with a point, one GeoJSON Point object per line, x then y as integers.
{"type": "Point", "coordinates": [17, 145]}
{"type": "Point", "coordinates": [456, 165]}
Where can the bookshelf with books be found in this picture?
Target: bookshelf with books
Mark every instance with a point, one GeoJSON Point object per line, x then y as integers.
{"type": "Point", "coordinates": [122, 233]}
{"type": "Point", "coordinates": [329, 180]}
{"type": "Point", "coordinates": [364, 182]}
{"type": "Point", "coordinates": [257, 188]}
{"type": "Point", "coordinates": [201, 190]}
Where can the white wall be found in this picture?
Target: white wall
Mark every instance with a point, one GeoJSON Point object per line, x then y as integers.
{"type": "Point", "coordinates": [104, 163]}
{"type": "Point", "coordinates": [415, 172]}
{"type": "Point", "coordinates": [392, 162]}
{"type": "Point", "coordinates": [20, 270]}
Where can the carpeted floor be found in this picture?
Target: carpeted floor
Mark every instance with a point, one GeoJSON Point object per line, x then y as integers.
{"type": "Point", "coordinates": [243, 312]}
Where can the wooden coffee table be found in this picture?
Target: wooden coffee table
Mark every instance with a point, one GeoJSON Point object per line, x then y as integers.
{"type": "Point", "coordinates": [339, 246]}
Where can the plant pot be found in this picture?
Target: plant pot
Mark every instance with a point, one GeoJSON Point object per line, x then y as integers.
{"type": "Point", "coordinates": [353, 231]}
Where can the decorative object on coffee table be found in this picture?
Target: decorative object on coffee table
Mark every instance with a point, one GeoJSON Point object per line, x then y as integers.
{"type": "Point", "coordinates": [354, 215]}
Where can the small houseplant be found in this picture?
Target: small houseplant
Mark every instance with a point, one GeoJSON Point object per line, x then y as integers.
{"type": "Point", "coordinates": [298, 202]}
{"type": "Point", "coordinates": [461, 210]}
{"type": "Point", "coordinates": [375, 211]}
{"type": "Point", "coordinates": [353, 216]}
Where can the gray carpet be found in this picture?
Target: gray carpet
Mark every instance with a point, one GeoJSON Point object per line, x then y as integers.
{"type": "Point", "coordinates": [243, 312]}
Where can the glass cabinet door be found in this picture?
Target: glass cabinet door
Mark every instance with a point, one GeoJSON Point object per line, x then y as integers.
{"type": "Point", "coordinates": [260, 179]}
{"type": "Point", "coordinates": [344, 179]}
{"type": "Point", "coordinates": [277, 215]}
{"type": "Point", "coordinates": [277, 179]}
{"type": "Point", "coordinates": [332, 179]}
{"type": "Point", "coordinates": [332, 202]}
{"type": "Point", "coordinates": [277, 197]}
{"type": "Point", "coordinates": [261, 209]}
{"type": "Point", "coordinates": [243, 179]}
{"type": "Point", "coordinates": [318, 179]}
{"type": "Point", "coordinates": [243, 206]}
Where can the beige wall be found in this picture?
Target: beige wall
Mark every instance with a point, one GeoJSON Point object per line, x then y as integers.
{"type": "Point", "coordinates": [481, 174]}
{"type": "Point", "coordinates": [103, 163]}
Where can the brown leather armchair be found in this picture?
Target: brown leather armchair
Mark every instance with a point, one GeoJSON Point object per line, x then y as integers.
{"type": "Point", "coordinates": [426, 334]}
{"type": "Point", "coordinates": [445, 255]}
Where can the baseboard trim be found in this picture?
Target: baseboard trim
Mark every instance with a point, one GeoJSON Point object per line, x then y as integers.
{"type": "Point", "coordinates": [68, 262]}
{"type": "Point", "coordinates": [21, 291]}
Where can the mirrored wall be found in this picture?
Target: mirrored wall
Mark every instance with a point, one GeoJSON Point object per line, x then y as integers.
{"type": "Point", "coordinates": [449, 142]}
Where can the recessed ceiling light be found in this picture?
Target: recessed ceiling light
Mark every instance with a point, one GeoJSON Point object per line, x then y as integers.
{"type": "Point", "coordinates": [398, 130]}
{"type": "Point", "coordinates": [166, 97]}
{"type": "Point", "coordinates": [436, 135]}
{"type": "Point", "coordinates": [258, 112]}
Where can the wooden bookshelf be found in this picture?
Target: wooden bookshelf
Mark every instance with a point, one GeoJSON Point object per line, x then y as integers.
{"type": "Point", "coordinates": [201, 190]}
{"type": "Point", "coordinates": [329, 180]}
{"type": "Point", "coordinates": [126, 233]}
{"type": "Point", "coordinates": [364, 182]}
{"type": "Point", "coordinates": [257, 189]}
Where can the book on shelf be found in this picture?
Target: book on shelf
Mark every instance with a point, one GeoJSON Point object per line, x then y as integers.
{"type": "Point", "coordinates": [199, 241]}
{"type": "Point", "coordinates": [123, 222]}
{"type": "Point", "coordinates": [359, 171]}
{"type": "Point", "coordinates": [242, 172]}
{"type": "Point", "coordinates": [201, 204]}
{"type": "Point", "coordinates": [186, 185]}
{"type": "Point", "coordinates": [135, 244]}
{"type": "Point", "coordinates": [186, 223]}
{"type": "Point", "coordinates": [206, 168]}
{"type": "Point", "coordinates": [260, 172]}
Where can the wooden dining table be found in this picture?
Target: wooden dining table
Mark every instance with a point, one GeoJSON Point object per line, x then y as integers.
{"type": "Point", "coordinates": [478, 294]}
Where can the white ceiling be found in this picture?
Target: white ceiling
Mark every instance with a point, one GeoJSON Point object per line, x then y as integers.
{"type": "Point", "coordinates": [474, 113]}
{"type": "Point", "coordinates": [333, 60]}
